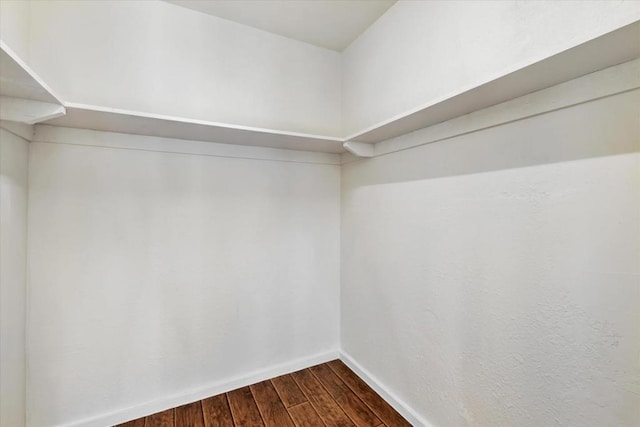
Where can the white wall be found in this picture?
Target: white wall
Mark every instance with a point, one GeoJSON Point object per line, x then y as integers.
{"type": "Point", "coordinates": [14, 156]}
{"type": "Point", "coordinates": [158, 274]}
{"type": "Point", "coordinates": [421, 51]}
{"type": "Point", "coordinates": [493, 279]}
{"type": "Point", "coordinates": [155, 57]}
{"type": "Point", "coordinates": [170, 60]}
{"type": "Point", "coordinates": [14, 26]}
{"type": "Point", "coordinates": [489, 279]}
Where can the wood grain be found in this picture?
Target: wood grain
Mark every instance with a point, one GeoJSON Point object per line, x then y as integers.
{"type": "Point", "coordinates": [382, 409]}
{"type": "Point", "coordinates": [273, 412]}
{"type": "Point", "coordinates": [288, 390]}
{"type": "Point", "coordinates": [135, 423]}
{"type": "Point", "coordinates": [189, 415]}
{"type": "Point", "coordinates": [320, 399]}
{"type": "Point", "coordinates": [355, 408]}
{"type": "Point", "coordinates": [161, 419]}
{"type": "Point", "coordinates": [329, 395]}
{"type": "Point", "coordinates": [304, 415]}
{"type": "Point", "coordinates": [216, 411]}
{"type": "Point", "coordinates": [243, 408]}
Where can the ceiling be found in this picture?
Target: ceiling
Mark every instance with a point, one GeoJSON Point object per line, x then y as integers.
{"type": "Point", "coordinates": [332, 24]}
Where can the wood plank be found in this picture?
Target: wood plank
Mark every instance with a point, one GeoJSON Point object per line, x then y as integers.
{"type": "Point", "coordinates": [359, 413]}
{"type": "Point", "coordinates": [243, 408]}
{"type": "Point", "coordinates": [355, 408]}
{"type": "Point", "coordinates": [329, 380]}
{"type": "Point", "coordinates": [161, 419]}
{"type": "Point", "coordinates": [325, 406]}
{"type": "Point", "coordinates": [189, 415]}
{"type": "Point", "coordinates": [288, 390]}
{"type": "Point", "coordinates": [304, 415]}
{"type": "Point", "coordinates": [216, 411]}
{"type": "Point", "coordinates": [273, 412]}
{"type": "Point", "coordinates": [135, 423]}
{"type": "Point", "coordinates": [329, 394]}
{"type": "Point", "coordinates": [377, 404]}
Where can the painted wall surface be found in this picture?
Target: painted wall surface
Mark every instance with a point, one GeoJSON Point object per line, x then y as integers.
{"type": "Point", "coordinates": [169, 60]}
{"type": "Point", "coordinates": [422, 51]}
{"type": "Point", "coordinates": [155, 57]}
{"type": "Point", "coordinates": [14, 26]}
{"type": "Point", "coordinates": [493, 279]}
{"type": "Point", "coordinates": [154, 274]}
{"type": "Point", "coordinates": [14, 156]}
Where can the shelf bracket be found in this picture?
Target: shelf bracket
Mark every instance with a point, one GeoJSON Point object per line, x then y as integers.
{"type": "Point", "coordinates": [360, 149]}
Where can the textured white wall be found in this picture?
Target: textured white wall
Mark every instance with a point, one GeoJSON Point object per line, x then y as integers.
{"type": "Point", "coordinates": [14, 26]}
{"type": "Point", "coordinates": [493, 279]}
{"type": "Point", "coordinates": [14, 156]}
{"type": "Point", "coordinates": [490, 279]}
{"type": "Point", "coordinates": [154, 274]}
{"type": "Point", "coordinates": [153, 56]}
{"type": "Point", "coordinates": [420, 51]}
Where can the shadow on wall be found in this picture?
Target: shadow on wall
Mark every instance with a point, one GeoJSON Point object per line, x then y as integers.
{"type": "Point", "coordinates": [532, 141]}
{"type": "Point", "coordinates": [505, 293]}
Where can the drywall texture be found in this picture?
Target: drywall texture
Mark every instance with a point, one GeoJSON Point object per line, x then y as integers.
{"type": "Point", "coordinates": [156, 57]}
{"type": "Point", "coordinates": [493, 279]}
{"type": "Point", "coordinates": [421, 51]}
{"type": "Point", "coordinates": [14, 26]}
{"type": "Point", "coordinates": [14, 156]}
{"type": "Point", "coordinates": [155, 274]}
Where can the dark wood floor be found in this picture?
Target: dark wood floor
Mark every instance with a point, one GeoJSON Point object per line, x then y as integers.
{"type": "Point", "coordinates": [324, 395]}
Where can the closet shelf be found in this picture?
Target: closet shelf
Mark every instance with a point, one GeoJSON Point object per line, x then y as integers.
{"type": "Point", "coordinates": [24, 97]}
{"type": "Point", "coordinates": [137, 123]}
{"type": "Point", "coordinates": [610, 49]}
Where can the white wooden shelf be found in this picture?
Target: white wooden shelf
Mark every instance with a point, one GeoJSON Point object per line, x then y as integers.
{"type": "Point", "coordinates": [137, 123]}
{"type": "Point", "coordinates": [24, 97]}
{"type": "Point", "coordinates": [610, 49]}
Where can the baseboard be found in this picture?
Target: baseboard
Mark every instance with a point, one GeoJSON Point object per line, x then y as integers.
{"type": "Point", "coordinates": [224, 386]}
{"type": "Point", "coordinates": [405, 410]}
{"type": "Point", "coordinates": [138, 411]}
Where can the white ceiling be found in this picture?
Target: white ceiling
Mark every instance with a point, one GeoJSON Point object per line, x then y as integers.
{"type": "Point", "coordinates": [332, 24]}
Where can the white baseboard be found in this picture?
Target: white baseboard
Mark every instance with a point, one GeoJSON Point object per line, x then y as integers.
{"type": "Point", "coordinates": [138, 411]}
{"type": "Point", "coordinates": [224, 386]}
{"type": "Point", "coordinates": [400, 406]}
